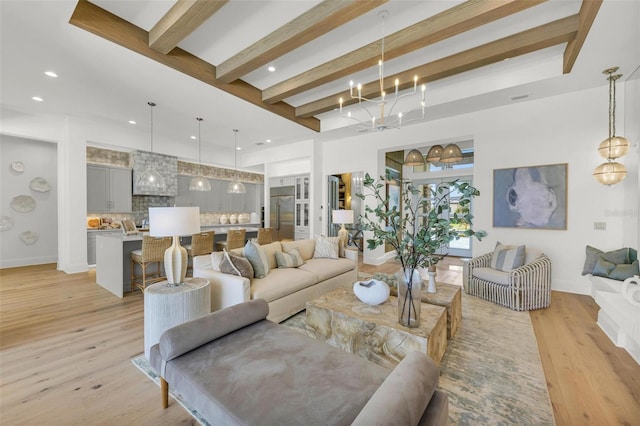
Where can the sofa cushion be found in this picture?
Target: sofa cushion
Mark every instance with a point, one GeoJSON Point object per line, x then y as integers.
{"type": "Point", "coordinates": [193, 334]}
{"type": "Point", "coordinates": [306, 247]}
{"type": "Point", "coordinates": [506, 258]}
{"type": "Point", "coordinates": [258, 259]}
{"type": "Point", "coordinates": [492, 275]}
{"type": "Point", "coordinates": [216, 259]}
{"type": "Point", "coordinates": [293, 259]}
{"type": "Point", "coordinates": [531, 254]}
{"type": "Point", "coordinates": [326, 248]}
{"type": "Point", "coordinates": [236, 265]}
{"type": "Point", "coordinates": [270, 251]}
{"type": "Point", "coordinates": [281, 282]}
{"type": "Point", "coordinates": [323, 269]}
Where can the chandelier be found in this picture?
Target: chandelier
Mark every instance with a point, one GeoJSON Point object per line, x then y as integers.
{"type": "Point", "coordinates": [199, 183]}
{"type": "Point", "coordinates": [613, 147]}
{"type": "Point", "coordinates": [150, 179]}
{"type": "Point", "coordinates": [383, 105]}
{"type": "Point", "coordinates": [235, 186]}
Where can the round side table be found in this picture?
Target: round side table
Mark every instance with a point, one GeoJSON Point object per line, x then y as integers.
{"type": "Point", "coordinates": [166, 307]}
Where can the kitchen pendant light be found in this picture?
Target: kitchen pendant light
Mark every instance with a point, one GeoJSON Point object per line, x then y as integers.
{"type": "Point", "coordinates": [235, 186]}
{"type": "Point", "coordinates": [613, 147]}
{"type": "Point", "coordinates": [199, 183]}
{"type": "Point", "coordinates": [150, 181]}
{"type": "Point", "coordinates": [451, 154]}
{"type": "Point", "coordinates": [414, 158]}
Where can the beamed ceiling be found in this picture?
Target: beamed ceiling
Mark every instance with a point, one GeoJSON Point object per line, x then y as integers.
{"type": "Point", "coordinates": [301, 94]}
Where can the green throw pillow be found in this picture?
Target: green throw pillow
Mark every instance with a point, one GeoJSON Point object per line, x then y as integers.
{"type": "Point", "coordinates": [590, 262]}
{"type": "Point", "coordinates": [603, 267]}
{"type": "Point", "coordinates": [258, 259]}
{"type": "Point", "coordinates": [623, 271]}
{"type": "Point", "coordinates": [617, 256]}
{"type": "Point", "coordinates": [293, 259]}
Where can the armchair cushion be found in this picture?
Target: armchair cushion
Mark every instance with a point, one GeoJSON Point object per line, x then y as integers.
{"type": "Point", "coordinates": [492, 275]}
{"type": "Point", "coordinates": [506, 258]}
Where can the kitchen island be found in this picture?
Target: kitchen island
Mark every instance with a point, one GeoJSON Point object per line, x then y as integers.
{"type": "Point", "coordinates": [113, 254]}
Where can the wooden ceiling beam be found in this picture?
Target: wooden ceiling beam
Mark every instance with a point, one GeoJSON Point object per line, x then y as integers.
{"type": "Point", "coordinates": [317, 21]}
{"type": "Point", "coordinates": [554, 33]}
{"type": "Point", "coordinates": [456, 20]}
{"type": "Point", "coordinates": [586, 16]}
{"type": "Point", "coordinates": [181, 20]}
{"type": "Point", "coordinates": [104, 24]}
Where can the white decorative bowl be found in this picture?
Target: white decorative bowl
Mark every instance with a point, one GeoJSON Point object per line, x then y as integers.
{"type": "Point", "coordinates": [372, 292]}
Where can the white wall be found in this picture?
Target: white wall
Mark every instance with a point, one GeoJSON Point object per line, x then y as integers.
{"type": "Point", "coordinates": [39, 160]}
{"type": "Point", "coordinates": [562, 129]}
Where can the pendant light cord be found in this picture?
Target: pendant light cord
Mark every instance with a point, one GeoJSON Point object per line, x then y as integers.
{"type": "Point", "coordinates": [235, 151]}
{"type": "Point", "coordinates": [151, 105]}
{"type": "Point", "coordinates": [199, 147]}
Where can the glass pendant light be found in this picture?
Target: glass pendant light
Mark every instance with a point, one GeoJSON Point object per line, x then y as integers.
{"type": "Point", "coordinates": [613, 147]}
{"type": "Point", "coordinates": [150, 180]}
{"type": "Point", "coordinates": [199, 183]}
{"type": "Point", "coordinates": [235, 186]}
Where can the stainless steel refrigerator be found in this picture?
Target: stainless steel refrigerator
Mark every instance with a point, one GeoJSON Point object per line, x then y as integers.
{"type": "Point", "coordinates": [281, 213]}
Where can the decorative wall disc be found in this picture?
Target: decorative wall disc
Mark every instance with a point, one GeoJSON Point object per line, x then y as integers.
{"type": "Point", "coordinates": [17, 166]}
{"type": "Point", "coordinates": [5, 223]}
{"type": "Point", "coordinates": [39, 184]}
{"type": "Point", "coordinates": [23, 203]}
{"type": "Point", "coordinates": [29, 237]}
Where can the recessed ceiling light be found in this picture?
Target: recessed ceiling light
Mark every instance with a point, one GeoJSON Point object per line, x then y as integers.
{"type": "Point", "coordinates": [271, 68]}
{"type": "Point", "coordinates": [268, 141]}
{"type": "Point", "coordinates": [132, 122]}
{"type": "Point", "coordinates": [51, 74]}
{"type": "Point", "coordinates": [192, 137]}
{"type": "Point", "coordinates": [37, 99]}
{"type": "Point", "coordinates": [238, 148]}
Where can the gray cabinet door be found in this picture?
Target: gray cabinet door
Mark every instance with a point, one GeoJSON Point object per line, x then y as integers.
{"type": "Point", "coordinates": [183, 198]}
{"type": "Point", "coordinates": [98, 189]}
{"type": "Point", "coordinates": [120, 190]}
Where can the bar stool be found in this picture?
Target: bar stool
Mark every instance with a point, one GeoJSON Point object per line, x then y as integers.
{"type": "Point", "coordinates": [201, 243]}
{"type": "Point", "coordinates": [152, 252]}
{"type": "Point", "coordinates": [265, 236]}
{"type": "Point", "coordinates": [235, 239]}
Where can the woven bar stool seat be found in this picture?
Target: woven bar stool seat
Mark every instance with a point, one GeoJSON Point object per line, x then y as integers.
{"type": "Point", "coordinates": [235, 239]}
{"type": "Point", "coordinates": [265, 236]}
{"type": "Point", "coordinates": [152, 252]}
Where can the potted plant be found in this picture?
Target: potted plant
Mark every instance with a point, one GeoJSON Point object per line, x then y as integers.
{"type": "Point", "coordinates": [416, 229]}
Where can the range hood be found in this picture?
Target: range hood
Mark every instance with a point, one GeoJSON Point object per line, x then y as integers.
{"type": "Point", "coordinates": [166, 165]}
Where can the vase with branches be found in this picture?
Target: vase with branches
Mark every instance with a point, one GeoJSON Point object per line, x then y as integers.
{"type": "Point", "coordinates": [417, 229]}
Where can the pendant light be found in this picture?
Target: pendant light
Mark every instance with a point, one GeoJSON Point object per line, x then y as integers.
{"type": "Point", "coordinates": [414, 158]}
{"type": "Point", "coordinates": [451, 154]}
{"type": "Point", "coordinates": [235, 186]}
{"type": "Point", "coordinates": [199, 183]}
{"type": "Point", "coordinates": [150, 181]}
{"type": "Point", "coordinates": [613, 147]}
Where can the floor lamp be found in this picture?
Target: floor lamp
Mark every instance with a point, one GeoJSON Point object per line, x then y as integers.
{"type": "Point", "coordinates": [341, 217]}
{"type": "Point", "coordinates": [174, 222]}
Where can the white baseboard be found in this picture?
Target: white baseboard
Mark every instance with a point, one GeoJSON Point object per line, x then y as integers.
{"type": "Point", "coordinates": [28, 261]}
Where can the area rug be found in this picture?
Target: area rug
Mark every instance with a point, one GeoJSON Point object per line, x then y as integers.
{"type": "Point", "coordinates": [491, 370]}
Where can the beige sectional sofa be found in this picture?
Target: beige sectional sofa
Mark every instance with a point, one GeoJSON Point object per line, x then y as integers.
{"type": "Point", "coordinates": [286, 290]}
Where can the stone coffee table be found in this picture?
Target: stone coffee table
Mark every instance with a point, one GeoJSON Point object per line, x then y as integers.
{"type": "Point", "coordinates": [373, 332]}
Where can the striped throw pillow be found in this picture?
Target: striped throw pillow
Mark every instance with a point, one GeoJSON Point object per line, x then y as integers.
{"type": "Point", "coordinates": [506, 258]}
{"type": "Point", "coordinates": [293, 259]}
{"type": "Point", "coordinates": [326, 248]}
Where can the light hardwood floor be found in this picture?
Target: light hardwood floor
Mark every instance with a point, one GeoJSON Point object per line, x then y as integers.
{"type": "Point", "coordinates": [66, 347]}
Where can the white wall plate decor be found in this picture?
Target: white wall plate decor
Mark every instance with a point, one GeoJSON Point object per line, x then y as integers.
{"type": "Point", "coordinates": [29, 237]}
{"type": "Point", "coordinates": [5, 223]}
{"type": "Point", "coordinates": [23, 203]}
{"type": "Point", "coordinates": [39, 184]}
{"type": "Point", "coordinates": [17, 166]}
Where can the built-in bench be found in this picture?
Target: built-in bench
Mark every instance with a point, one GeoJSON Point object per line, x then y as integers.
{"type": "Point", "coordinates": [618, 318]}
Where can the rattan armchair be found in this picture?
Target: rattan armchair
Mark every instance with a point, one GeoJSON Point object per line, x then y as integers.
{"type": "Point", "coordinates": [152, 252]}
{"type": "Point", "coordinates": [525, 288]}
{"type": "Point", "coordinates": [235, 239]}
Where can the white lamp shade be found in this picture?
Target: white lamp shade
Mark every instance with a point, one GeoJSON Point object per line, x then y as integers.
{"type": "Point", "coordinates": [173, 221]}
{"type": "Point", "coordinates": [342, 216]}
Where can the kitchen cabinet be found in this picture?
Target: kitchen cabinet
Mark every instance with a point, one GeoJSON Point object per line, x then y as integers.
{"type": "Point", "coordinates": [218, 200]}
{"type": "Point", "coordinates": [108, 189]}
{"type": "Point", "coordinates": [302, 207]}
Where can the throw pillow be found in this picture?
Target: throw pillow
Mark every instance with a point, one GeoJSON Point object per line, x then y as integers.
{"type": "Point", "coordinates": [236, 265]}
{"type": "Point", "coordinates": [325, 248]}
{"type": "Point", "coordinates": [293, 259]}
{"type": "Point", "coordinates": [216, 258]}
{"type": "Point", "coordinates": [507, 258]}
{"type": "Point", "coordinates": [591, 259]}
{"type": "Point", "coordinates": [623, 271]}
{"type": "Point", "coordinates": [633, 255]}
{"type": "Point", "coordinates": [617, 256]}
{"type": "Point", "coordinates": [258, 259]}
{"type": "Point", "coordinates": [603, 267]}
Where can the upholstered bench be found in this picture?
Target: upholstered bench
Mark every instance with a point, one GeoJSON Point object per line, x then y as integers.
{"type": "Point", "coordinates": [236, 367]}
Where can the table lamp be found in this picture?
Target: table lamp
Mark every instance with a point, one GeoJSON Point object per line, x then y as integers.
{"type": "Point", "coordinates": [174, 222]}
{"type": "Point", "coordinates": [341, 217]}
